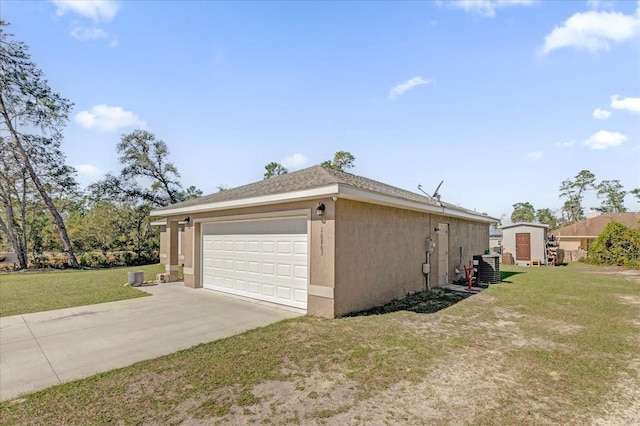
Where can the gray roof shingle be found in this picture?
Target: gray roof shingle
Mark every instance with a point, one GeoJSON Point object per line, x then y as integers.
{"type": "Point", "coordinates": [594, 226]}
{"type": "Point", "coordinates": [309, 178]}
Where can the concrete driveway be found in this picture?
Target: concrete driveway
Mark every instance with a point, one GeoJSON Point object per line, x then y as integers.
{"type": "Point", "coordinates": [47, 348]}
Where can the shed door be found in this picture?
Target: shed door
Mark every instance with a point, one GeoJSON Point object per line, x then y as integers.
{"type": "Point", "coordinates": [523, 246]}
{"type": "Point", "coordinates": [264, 260]}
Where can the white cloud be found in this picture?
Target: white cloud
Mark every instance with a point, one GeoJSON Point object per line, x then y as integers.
{"type": "Point", "coordinates": [486, 8]}
{"type": "Point", "coordinates": [295, 161]}
{"type": "Point", "coordinates": [604, 139]}
{"type": "Point", "coordinates": [599, 4]}
{"type": "Point", "coordinates": [568, 144]}
{"type": "Point", "coordinates": [98, 10]}
{"type": "Point", "coordinates": [88, 171]}
{"type": "Point", "coordinates": [601, 114]}
{"type": "Point", "coordinates": [85, 34]}
{"type": "Point", "coordinates": [593, 4]}
{"type": "Point", "coordinates": [406, 86]}
{"type": "Point", "coordinates": [592, 31]}
{"type": "Point", "coordinates": [629, 104]}
{"type": "Point", "coordinates": [535, 155]}
{"type": "Point", "coordinates": [104, 117]}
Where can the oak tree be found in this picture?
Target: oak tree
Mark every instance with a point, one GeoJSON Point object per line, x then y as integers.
{"type": "Point", "coordinates": [613, 196]}
{"type": "Point", "coordinates": [274, 169]}
{"type": "Point", "coordinates": [573, 191]}
{"type": "Point", "coordinates": [341, 161]}
{"type": "Point", "coordinates": [523, 212]}
{"type": "Point", "coordinates": [33, 116]}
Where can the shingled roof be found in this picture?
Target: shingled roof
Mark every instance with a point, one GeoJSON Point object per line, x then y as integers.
{"type": "Point", "coordinates": [594, 226]}
{"type": "Point", "coordinates": [308, 179]}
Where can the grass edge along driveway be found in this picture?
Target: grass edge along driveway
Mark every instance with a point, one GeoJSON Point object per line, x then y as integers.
{"type": "Point", "coordinates": [556, 345]}
{"type": "Point", "coordinates": [27, 292]}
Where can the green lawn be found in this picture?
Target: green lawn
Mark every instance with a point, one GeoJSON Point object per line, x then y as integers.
{"type": "Point", "coordinates": [25, 292]}
{"type": "Point", "coordinates": [551, 345]}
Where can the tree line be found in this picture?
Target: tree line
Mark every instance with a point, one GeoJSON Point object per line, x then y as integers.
{"type": "Point", "coordinates": [572, 192]}
{"type": "Point", "coordinates": [42, 208]}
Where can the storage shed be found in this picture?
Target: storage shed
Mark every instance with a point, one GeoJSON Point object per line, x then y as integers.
{"type": "Point", "coordinates": [526, 242]}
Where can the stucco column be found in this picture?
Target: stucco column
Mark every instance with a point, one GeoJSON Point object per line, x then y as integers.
{"type": "Point", "coordinates": [321, 289]}
{"type": "Point", "coordinates": [171, 267]}
{"type": "Point", "coordinates": [188, 249]}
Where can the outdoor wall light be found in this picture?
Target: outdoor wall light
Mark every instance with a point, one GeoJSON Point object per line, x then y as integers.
{"type": "Point", "coordinates": [320, 209]}
{"type": "Point", "coordinates": [187, 220]}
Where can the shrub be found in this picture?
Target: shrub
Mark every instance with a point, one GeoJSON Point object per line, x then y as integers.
{"type": "Point", "coordinates": [618, 244]}
{"type": "Point", "coordinates": [95, 260]}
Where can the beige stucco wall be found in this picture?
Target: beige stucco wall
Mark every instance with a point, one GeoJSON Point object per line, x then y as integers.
{"type": "Point", "coordinates": [164, 245]}
{"type": "Point", "coordinates": [380, 251]}
{"type": "Point", "coordinates": [473, 237]}
{"type": "Point", "coordinates": [575, 243]}
{"type": "Point", "coordinates": [569, 243]}
{"type": "Point", "coordinates": [360, 255]}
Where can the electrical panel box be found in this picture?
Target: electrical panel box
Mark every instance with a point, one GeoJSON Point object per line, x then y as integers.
{"type": "Point", "coordinates": [431, 245]}
{"type": "Point", "coordinates": [425, 268]}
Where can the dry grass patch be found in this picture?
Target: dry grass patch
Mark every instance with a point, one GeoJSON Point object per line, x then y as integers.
{"type": "Point", "coordinates": [554, 346]}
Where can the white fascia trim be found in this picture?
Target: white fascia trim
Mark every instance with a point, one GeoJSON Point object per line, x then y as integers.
{"type": "Point", "coordinates": [348, 192]}
{"type": "Point", "coordinates": [323, 191]}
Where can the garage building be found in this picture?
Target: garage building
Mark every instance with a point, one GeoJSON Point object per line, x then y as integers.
{"type": "Point", "coordinates": [320, 240]}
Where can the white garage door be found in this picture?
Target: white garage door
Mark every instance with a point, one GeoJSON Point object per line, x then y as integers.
{"type": "Point", "coordinates": [265, 260]}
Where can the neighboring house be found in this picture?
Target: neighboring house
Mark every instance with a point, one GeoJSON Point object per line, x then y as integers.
{"type": "Point", "coordinates": [579, 236]}
{"type": "Point", "coordinates": [321, 240]}
{"type": "Point", "coordinates": [525, 241]}
{"type": "Point", "coordinates": [495, 239]}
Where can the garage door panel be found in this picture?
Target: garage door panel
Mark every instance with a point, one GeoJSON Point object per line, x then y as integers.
{"type": "Point", "coordinates": [268, 290]}
{"type": "Point", "coordinates": [284, 270]}
{"type": "Point", "coordinates": [300, 248]}
{"type": "Point", "coordinates": [284, 247]}
{"type": "Point", "coordinates": [254, 267]}
{"type": "Point", "coordinates": [266, 267]}
{"type": "Point", "coordinates": [240, 285]}
{"type": "Point", "coordinates": [253, 287]}
{"type": "Point", "coordinates": [300, 295]}
{"type": "Point", "coordinates": [300, 272]}
{"type": "Point", "coordinates": [268, 247]}
{"type": "Point", "coordinates": [284, 292]}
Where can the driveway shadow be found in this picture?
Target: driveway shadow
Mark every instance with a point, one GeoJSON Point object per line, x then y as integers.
{"type": "Point", "coordinates": [423, 302]}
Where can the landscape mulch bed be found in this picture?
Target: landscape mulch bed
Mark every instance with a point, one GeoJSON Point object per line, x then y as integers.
{"type": "Point", "coordinates": [423, 302]}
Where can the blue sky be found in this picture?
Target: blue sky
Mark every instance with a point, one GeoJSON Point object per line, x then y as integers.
{"type": "Point", "coordinates": [501, 99]}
